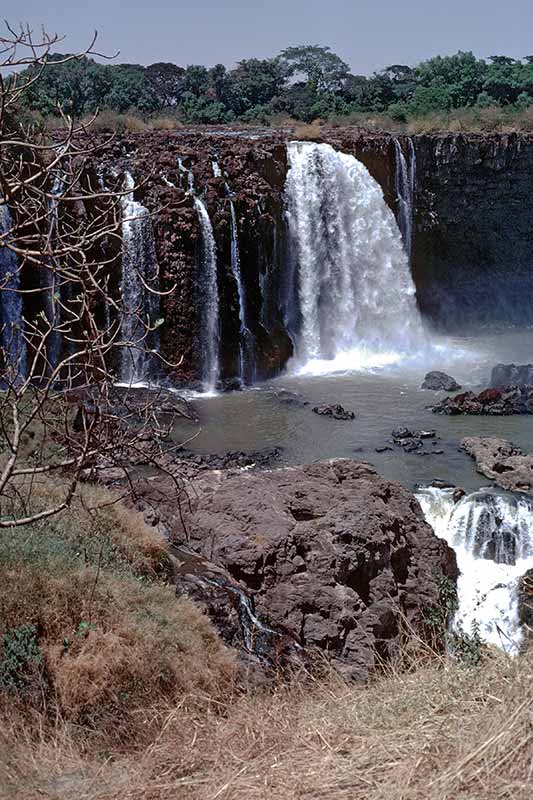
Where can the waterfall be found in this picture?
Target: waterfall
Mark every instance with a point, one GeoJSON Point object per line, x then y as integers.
{"type": "Point", "coordinates": [492, 534]}
{"type": "Point", "coordinates": [209, 312]}
{"type": "Point", "coordinates": [140, 306]}
{"type": "Point", "coordinates": [356, 295]}
{"type": "Point", "coordinates": [404, 184]}
{"type": "Point", "coordinates": [52, 289]}
{"type": "Point", "coordinates": [208, 289]}
{"type": "Point", "coordinates": [12, 336]}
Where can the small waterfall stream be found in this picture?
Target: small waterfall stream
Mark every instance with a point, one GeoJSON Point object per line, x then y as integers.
{"type": "Point", "coordinates": [52, 288]}
{"type": "Point", "coordinates": [404, 184]}
{"type": "Point", "coordinates": [12, 336]}
{"type": "Point", "coordinates": [356, 295]}
{"type": "Point", "coordinates": [492, 534]}
{"type": "Point", "coordinates": [140, 274]}
{"type": "Point", "coordinates": [208, 285]}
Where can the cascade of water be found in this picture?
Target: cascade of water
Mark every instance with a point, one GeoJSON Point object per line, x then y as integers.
{"type": "Point", "coordinates": [492, 534]}
{"type": "Point", "coordinates": [356, 295]}
{"type": "Point", "coordinates": [209, 307]}
{"type": "Point", "coordinates": [140, 274]}
{"type": "Point", "coordinates": [404, 184]}
{"type": "Point", "coordinates": [12, 336]}
{"type": "Point", "coordinates": [189, 175]}
{"type": "Point", "coordinates": [52, 287]}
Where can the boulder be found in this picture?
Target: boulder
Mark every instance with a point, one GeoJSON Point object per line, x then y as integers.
{"type": "Point", "coordinates": [335, 411]}
{"type": "Point", "coordinates": [503, 401]}
{"type": "Point", "coordinates": [440, 382]}
{"type": "Point", "coordinates": [507, 374]}
{"type": "Point", "coordinates": [331, 553]}
{"type": "Point", "coordinates": [501, 462]}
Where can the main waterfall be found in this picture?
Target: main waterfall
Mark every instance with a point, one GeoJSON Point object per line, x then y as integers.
{"type": "Point", "coordinates": [139, 289]}
{"type": "Point", "coordinates": [356, 295]}
{"type": "Point", "coordinates": [492, 534]}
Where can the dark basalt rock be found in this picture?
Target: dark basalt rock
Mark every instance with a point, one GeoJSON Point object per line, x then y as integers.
{"type": "Point", "coordinates": [504, 401]}
{"type": "Point", "coordinates": [440, 382]}
{"type": "Point", "coordinates": [336, 411]}
{"type": "Point", "coordinates": [331, 553]}
{"type": "Point", "coordinates": [232, 459]}
{"type": "Point", "coordinates": [512, 374]}
{"type": "Point", "coordinates": [412, 441]}
{"type": "Point", "coordinates": [231, 609]}
{"type": "Point", "coordinates": [525, 604]}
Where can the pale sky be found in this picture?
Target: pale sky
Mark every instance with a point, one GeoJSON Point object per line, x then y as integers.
{"type": "Point", "coordinates": [368, 34]}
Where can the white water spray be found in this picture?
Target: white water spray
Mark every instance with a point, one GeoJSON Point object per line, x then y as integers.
{"type": "Point", "coordinates": [356, 295]}
{"type": "Point", "coordinates": [139, 290]}
{"type": "Point", "coordinates": [492, 534]}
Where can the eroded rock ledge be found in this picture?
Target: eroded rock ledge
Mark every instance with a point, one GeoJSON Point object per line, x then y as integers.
{"type": "Point", "coordinates": [331, 553]}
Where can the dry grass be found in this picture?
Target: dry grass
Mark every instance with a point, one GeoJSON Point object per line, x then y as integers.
{"type": "Point", "coordinates": [137, 698]}
{"type": "Point", "coordinates": [309, 132]}
{"type": "Point", "coordinates": [114, 638]}
{"type": "Point", "coordinates": [439, 733]}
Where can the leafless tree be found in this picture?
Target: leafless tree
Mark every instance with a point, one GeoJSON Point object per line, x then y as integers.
{"type": "Point", "coordinates": [62, 336]}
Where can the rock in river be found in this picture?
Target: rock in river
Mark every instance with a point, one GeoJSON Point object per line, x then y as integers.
{"type": "Point", "coordinates": [440, 382]}
{"type": "Point", "coordinates": [333, 410]}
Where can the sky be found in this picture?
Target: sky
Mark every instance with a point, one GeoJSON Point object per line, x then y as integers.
{"type": "Point", "coordinates": [367, 34]}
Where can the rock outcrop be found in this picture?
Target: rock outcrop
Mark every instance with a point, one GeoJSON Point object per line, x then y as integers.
{"type": "Point", "coordinates": [501, 462]}
{"type": "Point", "coordinates": [504, 401]}
{"type": "Point", "coordinates": [471, 258]}
{"type": "Point", "coordinates": [440, 382]}
{"type": "Point", "coordinates": [512, 374]}
{"type": "Point", "coordinates": [331, 553]}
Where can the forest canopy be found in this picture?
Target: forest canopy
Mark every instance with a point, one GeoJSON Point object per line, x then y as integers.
{"type": "Point", "coordinates": [305, 82]}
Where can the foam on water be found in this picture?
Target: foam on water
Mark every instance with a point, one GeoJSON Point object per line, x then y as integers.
{"type": "Point", "coordinates": [492, 534]}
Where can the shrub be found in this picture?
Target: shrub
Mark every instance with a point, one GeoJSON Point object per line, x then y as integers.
{"type": "Point", "coordinates": [21, 657]}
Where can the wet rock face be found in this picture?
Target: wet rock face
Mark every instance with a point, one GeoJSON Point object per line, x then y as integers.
{"type": "Point", "coordinates": [507, 374]}
{"type": "Point", "coordinates": [472, 259]}
{"type": "Point", "coordinates": [502, 462]}
{"type": "Point", "coordinates": [329, 552]}
{"type": "Point", "coordinates": [440, 382]}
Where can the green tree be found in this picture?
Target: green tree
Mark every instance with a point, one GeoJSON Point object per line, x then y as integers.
{"type": "Point", "coordinates": [166, 81]}
{"type": "Point", "coordinates": [323, 70]}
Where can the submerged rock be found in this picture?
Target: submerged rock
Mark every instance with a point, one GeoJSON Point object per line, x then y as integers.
{"type": "Point", "coordinates": [512, 374]}
{"type": "Point", "coordinates": [440, 382]}
{"type": "Point", "coordinates": [412, 440]}
{"type": "Point", "coordinates": [331, 553]}
{"type": "Point", "coordinates": [336, 411]}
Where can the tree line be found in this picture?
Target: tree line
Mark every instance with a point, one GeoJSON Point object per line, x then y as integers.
{"type": "Point", "coordinates": [306, 82]}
